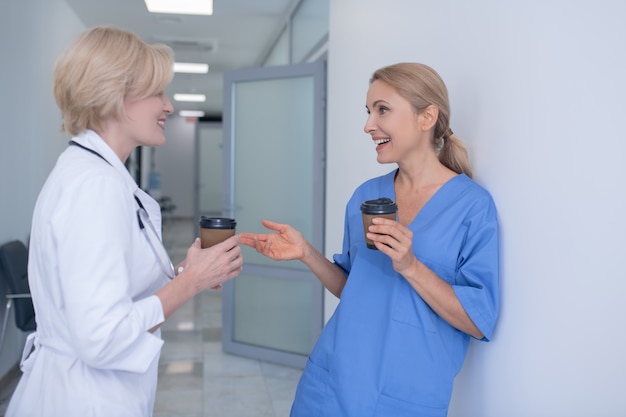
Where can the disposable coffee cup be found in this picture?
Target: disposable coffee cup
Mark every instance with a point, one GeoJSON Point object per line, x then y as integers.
{"type": "Point", "coordinates": [381, 207]}
{"type": "Point", "coordinates": [214, 230]}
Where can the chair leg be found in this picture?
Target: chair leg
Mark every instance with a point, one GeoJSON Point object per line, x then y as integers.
{"type": "Point", "coordinates": [7, 311]}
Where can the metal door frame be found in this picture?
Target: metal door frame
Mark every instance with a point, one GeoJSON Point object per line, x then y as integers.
{"type": "Point", "coordinates": [318, 71]}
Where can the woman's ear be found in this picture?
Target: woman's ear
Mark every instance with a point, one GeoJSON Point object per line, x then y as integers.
{"type": "Point", "coordinates": [429, 117]}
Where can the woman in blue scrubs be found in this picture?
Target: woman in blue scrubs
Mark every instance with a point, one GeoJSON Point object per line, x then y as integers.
{"type": "Point", "coordinates": [408, 308]}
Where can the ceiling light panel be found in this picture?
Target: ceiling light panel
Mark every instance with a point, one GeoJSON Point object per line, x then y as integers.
{"type": "Point", "coordinates": [191, 113]}
{"type": "Point", "coordinates": [191, 67]}
{"type": "Point", "coordinates": [194, 7]}
{"type": "Point", "coordinates": [194, 98]}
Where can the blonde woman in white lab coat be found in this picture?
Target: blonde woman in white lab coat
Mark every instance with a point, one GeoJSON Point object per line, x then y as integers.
{"type": "Point", "coordinates": [101, 281]}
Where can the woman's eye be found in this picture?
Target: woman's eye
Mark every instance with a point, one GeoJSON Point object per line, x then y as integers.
{"type": "Point", "coordinates": [382, 110]}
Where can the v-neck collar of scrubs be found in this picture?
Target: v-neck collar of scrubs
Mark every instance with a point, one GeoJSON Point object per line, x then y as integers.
{"type": "Point", "coordinates": [440, 199]}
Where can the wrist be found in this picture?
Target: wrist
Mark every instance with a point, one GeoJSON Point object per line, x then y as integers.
{"type": "Point", "coordinates": [187, 286]}
{"type": "Point", "coordinates": [307, 252]}
{"type": "Point", "coordinates": [414, 271]}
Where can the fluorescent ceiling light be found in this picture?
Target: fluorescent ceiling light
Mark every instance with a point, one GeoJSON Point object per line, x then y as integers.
{"type": "Point", "coordinates": [196, 98]}
{"type": "Point", "coordinates": [191, 113]}
{"type": "Point", "coordinates": [191, 68]}
{"type": "Point", "coordinates": [201, 7]}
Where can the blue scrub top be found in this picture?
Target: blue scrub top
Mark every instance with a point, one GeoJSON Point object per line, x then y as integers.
{"type": "Point", "coordinates": [385, 352]}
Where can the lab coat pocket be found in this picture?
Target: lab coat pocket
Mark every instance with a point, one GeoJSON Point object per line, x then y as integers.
{"type": "Point", "coordinates": [392, 407]}
{"type": "Point", "coordinates": [311, 392]}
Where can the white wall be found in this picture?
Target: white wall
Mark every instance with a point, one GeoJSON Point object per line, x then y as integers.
{"type": "Point", "coordinates": [538, 93]}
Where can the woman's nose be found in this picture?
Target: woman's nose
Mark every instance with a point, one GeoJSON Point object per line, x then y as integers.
{"type": "Point", "coordinates": [369, 125]}
{"type": "Point", "coordinates": [167, 105]}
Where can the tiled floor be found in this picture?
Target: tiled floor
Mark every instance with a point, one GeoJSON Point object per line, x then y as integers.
{"type": "Point", "coordinates": [197, 379]}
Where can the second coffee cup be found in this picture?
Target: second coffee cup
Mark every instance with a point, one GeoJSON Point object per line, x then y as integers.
{"type": "Point", "coordinates": [214, 230]}
{"type": "Point", "coordinates": [381, 207]}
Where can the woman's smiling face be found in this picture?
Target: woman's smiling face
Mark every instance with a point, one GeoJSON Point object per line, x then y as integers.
{"type": "Point", "coordinates": [146, 119]}
{"type": "Point", "coordinates": [392, 123]}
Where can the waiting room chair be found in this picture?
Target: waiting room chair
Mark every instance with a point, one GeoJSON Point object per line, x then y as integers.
{"type": "Point", "coordinates": [14, 273]}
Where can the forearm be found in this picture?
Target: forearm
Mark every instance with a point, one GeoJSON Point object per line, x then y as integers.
{"type": "Point", "coordinates": [176, 293]}
{"type": "Point", "coordinates": [330, 275]}
{"type": "Point", "coordinates": [440, 296]}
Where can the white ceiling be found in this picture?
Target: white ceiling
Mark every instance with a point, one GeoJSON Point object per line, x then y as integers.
{"type": "Point", "coordinates": [238, 35]}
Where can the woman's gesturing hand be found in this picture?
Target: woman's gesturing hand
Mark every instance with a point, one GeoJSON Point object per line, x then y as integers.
{"type": "Point", "coordinates": [286, 244]}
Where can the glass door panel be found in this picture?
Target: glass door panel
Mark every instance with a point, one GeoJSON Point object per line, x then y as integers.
{"type": "Point", "coordinates": [274, 147]}
{"type": "Point", "coordinates": [210, 157]}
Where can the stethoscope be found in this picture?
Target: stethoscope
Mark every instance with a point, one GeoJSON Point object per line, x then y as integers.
{"type": "Point", "coordinates": [145, 225]}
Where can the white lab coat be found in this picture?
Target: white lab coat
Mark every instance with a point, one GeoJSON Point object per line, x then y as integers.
{"type": "Point", "coordinates": [93, 277]}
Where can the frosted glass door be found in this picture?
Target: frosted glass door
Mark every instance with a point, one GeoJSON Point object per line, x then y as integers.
{"type": "Point", "coordinates": [210, 157]}
{"type": "Point", "coordinates": [274, 140]}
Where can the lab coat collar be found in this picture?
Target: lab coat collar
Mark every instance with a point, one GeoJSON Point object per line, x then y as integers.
{"type": "Point", "coordinates": [93, 141]}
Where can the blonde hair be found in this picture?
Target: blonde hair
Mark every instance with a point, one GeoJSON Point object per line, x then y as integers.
{"type": "Point", "coordinates": [101, 69]}
{"type": "Point", "coordinates": [421, 86]}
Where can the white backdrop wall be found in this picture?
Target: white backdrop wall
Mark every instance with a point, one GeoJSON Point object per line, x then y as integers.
{"type": "Point", "coordinates": [537, 91]}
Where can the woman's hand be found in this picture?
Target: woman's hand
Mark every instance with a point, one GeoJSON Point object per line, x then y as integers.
{"type": "Point", "coordinates": [395, 241]}
{"type": "Point", "coordinates": [212, 266]}
{"type": "Point", "coordinates": [289, 244]}
{"type": "Point", "coordinates": [286, 244]}
{"type": "Point", "coordinates": [202, 269]}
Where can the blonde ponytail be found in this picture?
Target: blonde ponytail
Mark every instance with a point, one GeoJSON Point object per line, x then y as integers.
{"type": "Point", "coordinates": [453, 155]}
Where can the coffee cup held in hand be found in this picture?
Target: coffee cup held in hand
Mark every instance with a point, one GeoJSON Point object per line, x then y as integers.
{"type": "Point", "coordinates": [381, 207]}
{"type": "Point", "coordinates": [214, 230]}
